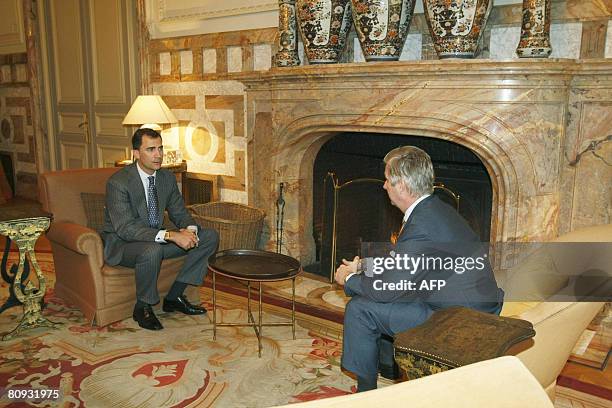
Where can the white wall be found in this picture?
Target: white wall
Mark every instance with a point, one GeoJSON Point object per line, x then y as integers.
{"type": "Point", "coordinates": [190, 17]}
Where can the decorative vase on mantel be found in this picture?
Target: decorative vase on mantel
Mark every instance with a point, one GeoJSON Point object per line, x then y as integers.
{"type": "Point", "coordinates": [535, 30]}
{"type": "Point", "coordinates": [456, 26]}
{"type": "Point", "coordinates": [382, 27]}
{"type": "Point", "coordinates": [324, 26]}
{"type": "Point", "coordinates": [287, 55]}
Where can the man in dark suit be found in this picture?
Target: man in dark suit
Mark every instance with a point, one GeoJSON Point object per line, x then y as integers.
{"type": "Point", "coordinates": [136, 198]}
{"type": "Point", "coordinates": [430, 229]}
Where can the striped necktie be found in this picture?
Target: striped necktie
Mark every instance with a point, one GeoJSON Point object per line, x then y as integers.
{"type": "Point", "coordinates": [153, 205]}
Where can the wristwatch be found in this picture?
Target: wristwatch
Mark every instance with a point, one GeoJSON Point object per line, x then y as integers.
{"type": "Point", "coordinates": [167, 236]}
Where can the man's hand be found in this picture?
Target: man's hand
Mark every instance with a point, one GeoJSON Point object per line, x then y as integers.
{"type": "Point", "coordinates": [345, 270]}
{"type": "Point", "coordinates": [184, 238]}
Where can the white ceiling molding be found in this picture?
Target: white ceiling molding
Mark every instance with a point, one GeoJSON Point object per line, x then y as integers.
{"type": "Point", "coordinates": [198, 9]}
{"type": "Point", "coordinates": [173, 18]}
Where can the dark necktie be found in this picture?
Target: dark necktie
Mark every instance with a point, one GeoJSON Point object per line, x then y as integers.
{"type": "Point", "coordinates": [153, 206]}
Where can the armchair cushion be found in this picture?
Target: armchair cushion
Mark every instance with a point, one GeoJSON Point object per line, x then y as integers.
{"type": "Point", "coordinates": [93, 204]}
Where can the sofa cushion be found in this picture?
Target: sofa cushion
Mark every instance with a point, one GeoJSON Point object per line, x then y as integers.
{"type": "Point", "coordinates": [93, 204]}
{"type": "Point", "coordinates": [534, 278]}
{"type": "Point", "coordinates": [119, 271]}
{"type": "Point", "coordinates": [517, 308]}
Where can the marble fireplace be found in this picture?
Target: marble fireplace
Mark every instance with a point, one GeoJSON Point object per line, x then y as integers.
{"type": "Point", "coordinates": [541, 128]}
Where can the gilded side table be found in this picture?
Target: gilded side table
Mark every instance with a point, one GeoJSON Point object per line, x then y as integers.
{"type": "Point", "coordinates": [24, 232]}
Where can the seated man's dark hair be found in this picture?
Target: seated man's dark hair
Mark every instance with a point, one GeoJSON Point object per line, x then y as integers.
{"type": "Point", "coordinates": [137, 138]}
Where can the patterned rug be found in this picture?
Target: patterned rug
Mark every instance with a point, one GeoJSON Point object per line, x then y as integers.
{"type": "Point", "coordinates": [594, 347]}
{"type": "Point", "coordinates": [124, 366]}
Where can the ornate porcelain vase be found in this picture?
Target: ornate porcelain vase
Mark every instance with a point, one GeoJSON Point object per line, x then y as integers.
{"type": "Point", "coordinates": [382, 27]}
{"type": "Point", "coordinates": [535, 30]}
{"type": "Point", "coordinates": [287, 54]}
{"type": "Point", "coordinates": [456, 26]}
{"type": "Point", "coordinates": [324, 25]}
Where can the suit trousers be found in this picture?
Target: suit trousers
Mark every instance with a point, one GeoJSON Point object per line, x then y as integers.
{"type": "Point", "coordinates": [146, 259]}
{"type": "Point", "coordinates": [364, 323]}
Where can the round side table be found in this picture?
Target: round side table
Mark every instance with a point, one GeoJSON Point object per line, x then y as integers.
{"type": "Point", "coordinates": [254, 266]}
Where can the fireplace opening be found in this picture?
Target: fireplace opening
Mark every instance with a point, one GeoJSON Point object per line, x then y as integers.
{"type": "Point", "coordinates": [350, 206]}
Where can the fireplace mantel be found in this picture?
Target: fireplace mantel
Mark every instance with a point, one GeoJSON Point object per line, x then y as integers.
{"type": "Point", "coordinates": [517, 69]}
{"type": "Point", "coordinates": [527, 120]}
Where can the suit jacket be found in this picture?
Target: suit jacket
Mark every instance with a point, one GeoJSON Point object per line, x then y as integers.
{"type": "Point", "coordinates": [126, 215]}
{"type": "Point", "coordinates": [434, 229]}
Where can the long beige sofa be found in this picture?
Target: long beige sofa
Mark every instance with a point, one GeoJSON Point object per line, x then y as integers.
{"type": "Point", "coordinates": [558, 325]}
{"type": "Point", "coordinates": [501, 383]}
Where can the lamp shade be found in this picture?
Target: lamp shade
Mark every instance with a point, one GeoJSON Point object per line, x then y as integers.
{"type": "Point", "coordinates": [149, 109]}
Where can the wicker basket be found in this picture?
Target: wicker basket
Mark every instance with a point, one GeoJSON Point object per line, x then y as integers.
{"type": "Point", "coordinates": [238, 225]}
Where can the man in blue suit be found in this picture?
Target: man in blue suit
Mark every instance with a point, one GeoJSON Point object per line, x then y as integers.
{"type": "Point", "coordinates": [429, 228]}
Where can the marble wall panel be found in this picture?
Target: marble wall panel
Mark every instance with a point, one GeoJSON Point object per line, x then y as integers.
{"type": "Point", "coordinates": [539, 126]}
{"type": "Point", "coordinates": [21, 73]}
{"type": "Point", "coordinates": [234, 59]}
{"type": "Point", "coordinates": [16, 112]}
{"type": "Point", "coordinates": [222, 60]}
{"type": "Point", "coordinates": [357, 51]}
{"type": "Point", "coordinates": [6, 76]}
{"type": "Point", "coordinates": [593, 40]}
{"type": "Point", "coordinates": [302, 52]}
{"type": "Point", "coordinates": [210, 132]}
{"type": "Point", "coordinates": [209, 61]}
{"type": "Point", "coordinates": [591, 158]}
{"type": "Point", "coordinates": [186, 62]}
{"type": "Point", "coordinates": [165, 63]}
{"type": "Point", "coordinates": [262, 57]}
{"type": "Point", "coordinates": [608, 51]}
{"type": "Point", "coordinates": [412, 48]}
{"type": "Point", "coordinates": [538, 218]}
{"type": "Point", "coordinates": [565, 40]}
{"type": "Point", "coordinates": [504, 41]}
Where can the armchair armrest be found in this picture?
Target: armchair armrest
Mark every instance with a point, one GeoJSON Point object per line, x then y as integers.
{"type": "Point", "coordinates": [78, 238]}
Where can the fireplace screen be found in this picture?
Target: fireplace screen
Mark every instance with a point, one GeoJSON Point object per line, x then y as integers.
{"type": "Point", "coordinates": [354, 212]}
{"type": "Point", "coordinates": [360, 211]}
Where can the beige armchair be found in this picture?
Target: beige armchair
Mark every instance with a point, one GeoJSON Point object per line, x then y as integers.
{"type": "Point", "coordinates": [103, 293]}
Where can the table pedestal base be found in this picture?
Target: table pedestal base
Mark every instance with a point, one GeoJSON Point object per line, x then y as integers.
{"type": "Point", "coordinates": [257, 326]}
{"type": "Point", "coordinates": [32, 317]}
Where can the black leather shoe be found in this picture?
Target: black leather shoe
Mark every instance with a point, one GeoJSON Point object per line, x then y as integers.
{"type": "Point", "coordinates": [181, 304]}
{"type": "Point", "coordinates": [146, 319]}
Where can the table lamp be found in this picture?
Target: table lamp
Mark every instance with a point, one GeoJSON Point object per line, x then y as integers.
{"type": "Point", "coordinates": [149, 111]}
